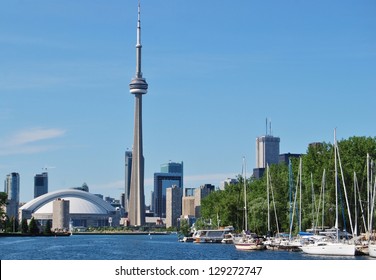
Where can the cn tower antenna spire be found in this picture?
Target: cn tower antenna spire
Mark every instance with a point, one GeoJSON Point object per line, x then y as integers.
{"type": "Point", "coordinates": [138, 45]}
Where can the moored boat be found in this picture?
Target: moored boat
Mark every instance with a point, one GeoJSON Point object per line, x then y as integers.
{"type": "Point", "coordinates": [210, 235]}
{"type": "Point", "coordinates": [249, 243]}
{"type": "Point", "coordinates": [372, 250]}
{"type": "Point", "coordinates": [328, 247]}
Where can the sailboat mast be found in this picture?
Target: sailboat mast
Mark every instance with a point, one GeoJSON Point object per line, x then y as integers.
{"type": "Point", "coordinates": [323, 199]}
{"type": "Point", "coordinates": [267, 194]}
{"type": "Point", "coordinates": [245, 198]}
{"type": "Point", "coordinates": [290, 191]}
{"type": "Point", "coordinates": [368, 198]}
{"type": "Point", "coordinates": [300, 194]}
{"type": "Point", "coordinates": [355, 206]}
{"type": "Point", "coordinates": [313, 201]}
{"type": "Point", "coordinates": [336, 182]}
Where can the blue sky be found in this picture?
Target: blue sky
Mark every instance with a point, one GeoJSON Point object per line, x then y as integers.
{"type": "Point", "coordinates": [216, 70]}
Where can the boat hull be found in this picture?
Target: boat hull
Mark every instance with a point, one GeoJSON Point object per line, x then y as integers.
{"type": "Point", "coordinates": [372, 250]}
{"type": "Point", "coordinates": [250, 247]}
{"type": "Point", "coordinates": [332, 249]}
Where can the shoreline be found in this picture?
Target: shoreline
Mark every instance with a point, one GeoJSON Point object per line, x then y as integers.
{"type": "Point", "coordinates": [11, 234]}
{"type": "Point", "coordinates": [121, 233]}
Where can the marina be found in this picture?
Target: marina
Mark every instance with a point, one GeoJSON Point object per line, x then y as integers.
{"type": "Point", "coordinates": [139, 247]}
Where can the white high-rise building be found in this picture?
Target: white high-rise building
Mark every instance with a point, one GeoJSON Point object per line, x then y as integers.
{"type": "Point", "coordinates": [12, 189]}
{"type": "Point", "coordinates": [173, 205]}
{"type": "Point", "coordinates": [267, 150]}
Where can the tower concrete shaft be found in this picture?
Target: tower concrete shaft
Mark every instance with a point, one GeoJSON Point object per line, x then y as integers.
{"type": "Point", "coordinates": [138, 87]}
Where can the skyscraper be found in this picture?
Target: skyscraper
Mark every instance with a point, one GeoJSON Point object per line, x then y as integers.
{"type": "Point", "coordinates": [138, 87]}
{"type": "Point", "coordinates": [40, 184]}
{"type": "Point", "coordinates": [171, 174]}
{"type": "Point", "coordinates": [267, 152]}
{"type": "Point", "coordinates": [12, 189]}
{"type": "Point", "coordinates": [174, 196]}
{"type": "Point", "coordinates": [162, 181]}
{"type": "Point", "coordinates": [128, 172]}
{"type": "Point", "coordinates": [172, 167]}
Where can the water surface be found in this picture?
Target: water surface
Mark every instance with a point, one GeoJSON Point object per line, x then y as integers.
{"type": "Point", "coordinates": [135, 247]}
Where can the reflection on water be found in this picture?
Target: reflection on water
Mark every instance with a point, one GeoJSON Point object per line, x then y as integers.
{"type": "Point", "coordinates": [133, 247]}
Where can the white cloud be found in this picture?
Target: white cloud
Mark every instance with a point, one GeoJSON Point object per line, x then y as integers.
{"type": "Point", "coordinates": [35, 134]}
{"type": "Point", "coordinates": [28, 141]}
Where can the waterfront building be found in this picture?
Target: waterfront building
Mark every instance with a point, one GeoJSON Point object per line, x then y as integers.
{"type": "Point", "coordinates": [171, 174]}
{"type": "Point", "coordinates": [138, 87]}
{"type": "Point", "coordinates": [127, 181]}
{"type": "Point", "coordinates": [201, 193]}
{"type": "Point", "coordinates": [162, 181]}
{"type": "Point", "coordinates": [60, 215]}
{"type": "Point", "coordinates": [174, 196]}
{"type": "Point", "coordinates": [188, 206]}
{"type": "Point", "coordinates": [85, 209]}
{"type": "Point", "coordinates": [40, 184]}
{"type": "Point", "coordinates": [12, 189]}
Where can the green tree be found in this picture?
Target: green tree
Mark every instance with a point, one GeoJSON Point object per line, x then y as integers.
{"type": "Point", "coordinates": [47, 228]}
{"type": "Point", "coordinates": [3, 217]}
{"type": "Point", "coordinates": [228, 204]}
{"type": "Point", "coordinates": [24, 226]}
{"type": "Point", "coordinates": [184, 227]}
{"type": "Point", "coordinates": [33, 227]}
{"type": "Point", "coordinates": [12, 225]}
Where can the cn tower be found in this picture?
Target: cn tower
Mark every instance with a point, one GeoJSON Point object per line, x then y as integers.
{"type": "Point", "coordinates": [138, 87]}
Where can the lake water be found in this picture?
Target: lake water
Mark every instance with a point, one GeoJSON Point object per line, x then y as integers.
{"type": "Point", "coordinates": [135, 247]}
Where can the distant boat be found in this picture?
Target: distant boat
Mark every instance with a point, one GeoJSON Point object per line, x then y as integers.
{"type": "Point", "coordinates": [228, 238]}
{"type": "Point", "coordinates": [210, 235]}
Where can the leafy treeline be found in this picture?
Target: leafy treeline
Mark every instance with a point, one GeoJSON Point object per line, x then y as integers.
{"type": "Point", "coordinates": [226, 207]}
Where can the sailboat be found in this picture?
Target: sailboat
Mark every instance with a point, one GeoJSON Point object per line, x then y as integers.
{"type": "Point", "coordinates": [326, 245]}
{"type": "Point", "coordinates": [247, 241]}
{"type": "Point", "coordinates": [280, 241]}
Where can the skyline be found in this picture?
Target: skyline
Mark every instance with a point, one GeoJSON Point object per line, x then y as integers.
{"type": "Point", "coordinates": [308, 67]}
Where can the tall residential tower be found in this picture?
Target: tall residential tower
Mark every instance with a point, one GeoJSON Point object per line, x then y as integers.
{"type": "Point", "coordinates": [138, 87]}
{"type": "Point", "coordinates": [12, 189]}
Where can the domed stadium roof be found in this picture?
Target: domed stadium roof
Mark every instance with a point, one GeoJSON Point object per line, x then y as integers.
{"type": "Point", "coordinates": [80, 202]}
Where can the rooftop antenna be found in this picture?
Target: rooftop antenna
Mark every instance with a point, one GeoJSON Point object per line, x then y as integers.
{"type": "Point", "coordinates": [266, 126]}
{"type": "Point", "coordinates": [270, 128]}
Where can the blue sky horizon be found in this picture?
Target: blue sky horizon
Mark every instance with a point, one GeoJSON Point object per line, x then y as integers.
{"type": "Point", "coordinates": [216, 71]}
